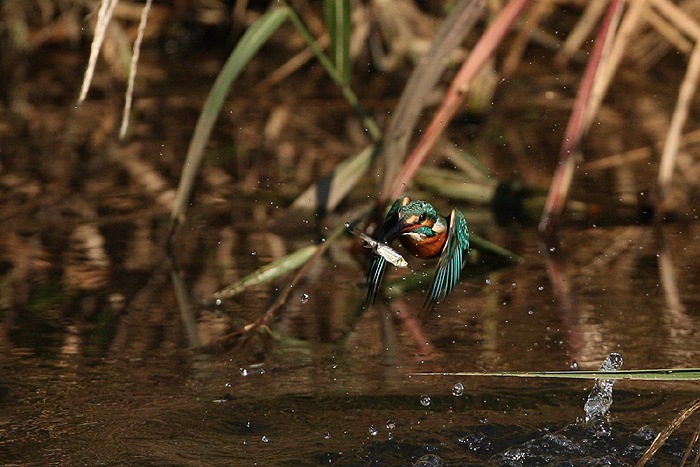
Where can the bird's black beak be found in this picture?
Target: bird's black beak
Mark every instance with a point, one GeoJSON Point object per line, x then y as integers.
{"type": "Point", "coordinates": [400, 227]}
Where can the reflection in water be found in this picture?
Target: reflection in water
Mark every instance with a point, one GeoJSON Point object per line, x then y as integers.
{"type": "Point", "coordinates": [561, 287]}
{"type": "Point", "coordinates": [679, 324]}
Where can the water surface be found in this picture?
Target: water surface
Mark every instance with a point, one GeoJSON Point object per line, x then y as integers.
{"type": "Point", "coordinates": [125, 387]}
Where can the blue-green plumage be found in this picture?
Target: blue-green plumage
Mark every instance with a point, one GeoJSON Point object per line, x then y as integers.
{"type": "Point", "coordinates": [425, 234]}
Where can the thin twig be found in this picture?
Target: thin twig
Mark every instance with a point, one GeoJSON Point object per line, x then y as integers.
{"type": "Point", "coordinates": [689, 448]}
{"type": "Point", "coordinates": [678, 17]}
{"type": "Point", "coordinates": [579, 122]}
{"type": "Point", "coordinates": [290, 66]}
{"type": "Point", "coordinates": [668, 31]}
{"type": "Point", "coordinates": [533, 18]}
{"type": "Point", "coordinates": [663, 436]}
{"type": "Point", "coordinates": [636, 155]}
{"type": "Point", "coordinates": [628, 26]}
{"type": "Point", "coordinates": [680, 115]}
{"type": "Point", "coordinates": [104, 15]}
{"type": "Point", "coordinates": [132, 68]}
{"type": "Point", "coordinates": [594, 10]}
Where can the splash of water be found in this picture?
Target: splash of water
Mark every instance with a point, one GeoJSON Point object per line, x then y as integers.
{"type": "Point", "coordinates": [600, 399]}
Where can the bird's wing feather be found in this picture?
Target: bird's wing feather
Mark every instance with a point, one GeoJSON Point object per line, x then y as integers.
{"type": "Point", "coordinates": [449, 267]}
{"type": "Point", "coordinates": [392, 217]}
{"type": "Point", "coordinates": [377, 266]}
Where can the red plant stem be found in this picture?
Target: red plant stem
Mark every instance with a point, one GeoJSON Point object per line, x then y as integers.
{"type": "Point", "coordinates": [455, 94]}
{"type": "Point", "coordinates": [579, 122]}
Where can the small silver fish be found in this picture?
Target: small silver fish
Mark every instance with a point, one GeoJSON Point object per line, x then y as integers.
{"type": "Point", "coordinates": [382, 249]}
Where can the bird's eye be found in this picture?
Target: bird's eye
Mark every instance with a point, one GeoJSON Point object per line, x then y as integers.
{"type": "Point", "coordinates": [421, 218]}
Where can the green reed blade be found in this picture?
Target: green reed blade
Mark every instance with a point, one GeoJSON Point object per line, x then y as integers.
{"type": "Point", "coordinates": [661, 374]}
{"type": "Point", "coordinates": [254, 37]}
{"type": "Point", "coordinates": [326, 194]}
{"type": "Point", "coordinates": [370, 125]}
{"type": "Point", "coordinates": [337, 14]}
{"type": "Point", "coordinates": [264, 274]}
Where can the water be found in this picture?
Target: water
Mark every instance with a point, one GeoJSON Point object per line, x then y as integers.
{"type": "Point", "coordinates": [124, 386]}
{"type": "Point", "coordinates": [601, 397]}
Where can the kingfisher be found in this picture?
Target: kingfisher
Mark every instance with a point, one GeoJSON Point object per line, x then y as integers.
{"type": "Point", "coordinates": [426, 234]}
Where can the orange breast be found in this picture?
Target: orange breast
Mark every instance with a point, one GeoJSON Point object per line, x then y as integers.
{"type": "Point", "coordinates": [430, 247]}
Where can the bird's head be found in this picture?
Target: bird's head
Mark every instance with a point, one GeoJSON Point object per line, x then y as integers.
{"type": "Point", "coordinates": [416, 218]}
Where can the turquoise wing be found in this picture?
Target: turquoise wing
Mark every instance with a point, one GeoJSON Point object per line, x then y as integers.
{"type": "Point", "coordinates": [449, 267]}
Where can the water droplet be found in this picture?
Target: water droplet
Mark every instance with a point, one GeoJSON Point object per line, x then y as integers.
{"type": "Point", "coordinates": [530, 312]}
{"type": "Point", "coordinates": [574, 365]}
{"type": "Point", "coordinates": [458, 389]}
{"type": "Point", "coordinates": [425, 400]}
{"type": "Point", "coordinates": [304, 298]}
{"type": "Point", "coordinates": [540, 288]}
{"type": "Point", "coordinates": [327, 435]}
{"type": "Point", "coordinates": [228, 385]}
{"type": "Point", "coordinates": [552, 249]}
{"type": "Point", "coordinates": [390, 424]}
{"type": "Point", "coordinates": [218, 302]}
{"type": "Point", "coordinates": [244, 371]}
{"type": "Point", "coordinates": [488, 281]}
{"type": "Point", "coordinates": [254, 253]}
{"type": "Point", "coordinates": [373, 430]}
{"type": "Point", "coordinates": [612, 363]}
{"type": "Point", "coordinates": [390, 436]}
{"type": "Point", "coordinates": [265, 439]}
